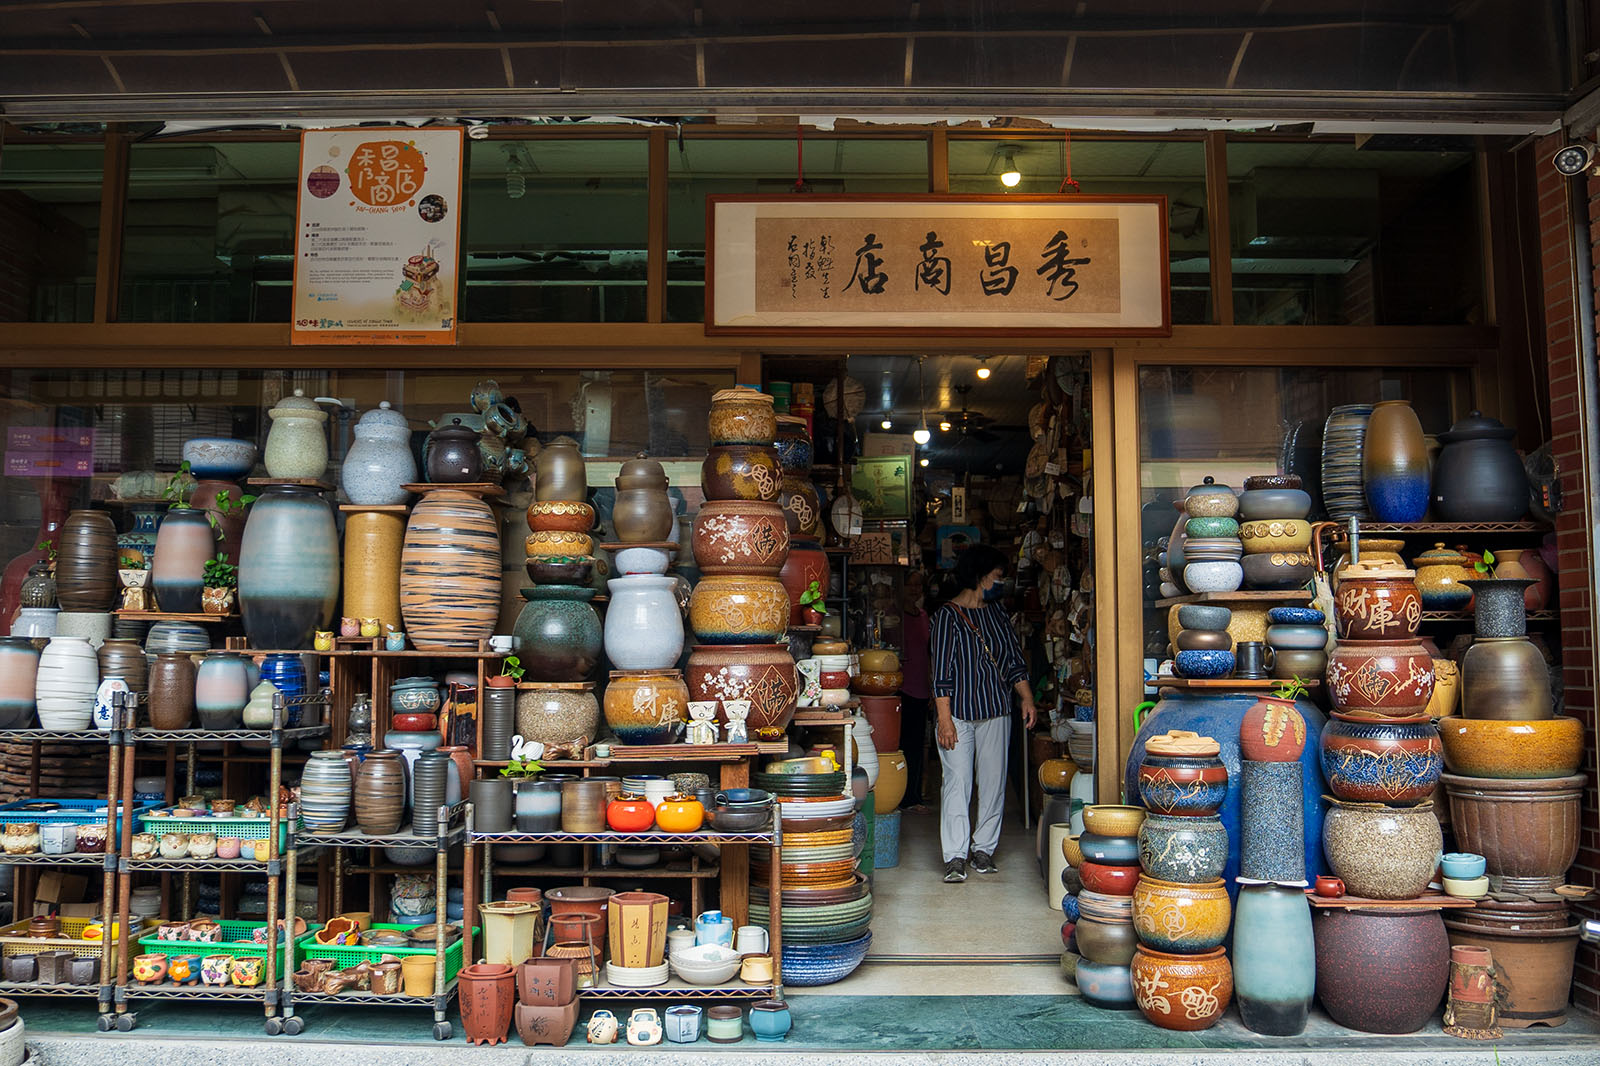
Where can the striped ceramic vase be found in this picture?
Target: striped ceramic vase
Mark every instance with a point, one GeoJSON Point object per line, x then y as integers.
{"type": "Point", "coordinates": [379, 796]}
{"type": "Point", "coordinates": [65, 686]}
{"type": "Point", "coordinates": [184, 542]}
{"type": "Point", "coordinates": [86, 562]}
{"type": "Point", "coordinates": [325, 792]}
{"type": "Point", "coordinates": [288, 568]}
{"type": "Point", "coordinates": [450, 571]}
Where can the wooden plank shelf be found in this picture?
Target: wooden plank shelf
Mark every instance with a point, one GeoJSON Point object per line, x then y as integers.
{"type": "Point", "coordinates": [1429, 901]}
{"type": "Point", "coordinates": [1212, 684]}
{"type": "Point", "coordinates": [477, 488]}
{"type": "Point", "coordinates": [1249, 597]}
{"type": "Point", "coordinates": [174, 616]}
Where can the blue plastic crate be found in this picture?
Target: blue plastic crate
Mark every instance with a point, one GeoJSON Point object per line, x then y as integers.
{"type": "Point", "coordinates": [76, 811]}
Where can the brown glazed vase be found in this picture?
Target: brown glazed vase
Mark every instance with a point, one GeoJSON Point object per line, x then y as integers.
{"type": "Point", "coordinates": [1526, 829]}
{"type": "Point", "coordinates": [1184, 993]}
{"type": "Point", "coordinates": [1391, 679]}
{"type": "Point", "coordinates": [379, 798]}
{"type": "Point", "coordinates": [450, 572]}
{"type": "Point", "coordinates": [643, 511]}
{"type": "Point", "coordinates": [740, 537]}
{"type": "Point", "coordinates": [1381, 971]}
{"type": "Point", "coordinates": [125, 659]}
{"type": "Point", "coordinates": [559, 472]}
{"type": "Point", "coordinates": [741, 472]}
{"type": "Point", "coordinates": [807, 562]}
{"type": "Point", "coordinates": [86, 562]}
{"type": "Point", "coordinates": [1534, 946]}
{"type": "Point", "coordinates": [764, 674]}
{"type": "Point", "coordinates": [171, 701]}
{"type": "Point", "coordinates": [488, 994]}
{"type": "Point", "coordinates": [1377, 602]}
{"type": "Point", "coordinates": [1505, 678]}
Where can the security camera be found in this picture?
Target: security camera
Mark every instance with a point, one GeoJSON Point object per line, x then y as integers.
{"type": "Point", "coordinates": [1574, 159]}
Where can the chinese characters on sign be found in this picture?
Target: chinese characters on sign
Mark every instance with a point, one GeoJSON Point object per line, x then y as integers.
{"type": "Point", "coordinates": [377, 237]}
{"type": "Point", "coordinates": [939, 264]}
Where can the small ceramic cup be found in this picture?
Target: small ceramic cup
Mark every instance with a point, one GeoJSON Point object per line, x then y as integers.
{"type": "Point", "coordinates": [602, 751]}
{"type": "Point", "coordinates": [756, 970]}
{"type": "Point", "coordinates": [228, 847]}
{"type": "Point", "coordinates": [502, 643]}
{"type": "Point", "coordinates": [750, 940]}
{"type": "Point", "coordinates": [58, 838]}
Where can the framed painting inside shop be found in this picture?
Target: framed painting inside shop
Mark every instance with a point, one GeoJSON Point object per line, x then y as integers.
{"type": "Point", "coordinates": [882, 486]}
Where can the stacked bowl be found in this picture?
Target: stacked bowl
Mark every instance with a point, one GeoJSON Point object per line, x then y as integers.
{"type": "Point", "coordinates": [1298, 641]}
{"type": "Point", "coordinates": [1109, 871]}
{"type": "Point", "coordinates": [1203, 646]}
{"type": "Point", "coordinates": [1276, 532]}
{"type": "Point", "coordinates": [1212, 549]}
{"type": "Point", "coordinates": [1343, 445]}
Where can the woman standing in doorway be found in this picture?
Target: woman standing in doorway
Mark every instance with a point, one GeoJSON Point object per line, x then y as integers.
{"type": "Point", "coordinates": [916, 691]}
{"type": "Point", "coordinates": [977, 664]}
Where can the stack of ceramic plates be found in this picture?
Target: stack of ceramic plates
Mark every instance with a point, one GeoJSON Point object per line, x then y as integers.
{"type": "Point", "coordinates": [822, 964]}
{"type": "Point", "coordinates": [1343, 491]}
{"type": "Point", "coordinates": [635, 976]}
{"type": "Point", "coordinates": [786, 785]}
{"type": "Point", "coordinates": [821, 807]}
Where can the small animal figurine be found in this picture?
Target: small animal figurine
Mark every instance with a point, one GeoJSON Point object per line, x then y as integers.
{"type": "Point", "coordinates": [703, 722]}
{"type": "Point", "coordinates": [644, 1027]}
{"type": "Point", "coordinates": [602, 1027]}
{"type": "Point", "coordinates": [737, 711]}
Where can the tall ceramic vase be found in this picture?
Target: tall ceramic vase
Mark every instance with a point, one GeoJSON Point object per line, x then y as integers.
{"type": "Point", "coordinates": [372, 544]}
{"type": "Point", "coordinates": [325, 792]}
{"type": "Point", "coordinates": [19, 673]}
{"type": "Point", "coordinates": [86, 562]}
{"type": "Point", "coordinates": [379, 795]}
{"type": "Point", "coordinates": [644, 628]}
{"type": "Point", "coordinates": [450, 571]}
{"type": "Point", "coordinates": [184, 541]}
{"type": "Point", "coordinates": [1274, 959]}
{"type": "Point", "coordinates": [64, 688]}
{"type": "Point", "coordinates": [288, 568]}
{"type": "Point", "coordinates": [1503, 675]}
{"type": "Point", "coordinates": [1394, 463]}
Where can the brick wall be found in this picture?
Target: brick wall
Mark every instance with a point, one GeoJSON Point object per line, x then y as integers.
{"type": "Point", "coordinates": [1577, 577]}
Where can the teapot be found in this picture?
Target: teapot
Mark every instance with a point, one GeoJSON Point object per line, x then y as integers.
{"type": "Point", "coordinates": [453, 455]}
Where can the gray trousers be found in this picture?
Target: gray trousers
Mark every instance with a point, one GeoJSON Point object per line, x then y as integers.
{"type": "Point", "coordinates": [981, 750]}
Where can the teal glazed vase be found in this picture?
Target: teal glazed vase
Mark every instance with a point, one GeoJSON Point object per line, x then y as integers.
{"type": "Point", "coordinates": [184, 542]}
{"type": "Point", "coordinates": [288, 568]}
{"type": "Point", "coordinates": [1394, 463]}
{"type": "Point", "coordinates": [1274, 959]}
{"type": "Point", "coordinates": [559, 635]}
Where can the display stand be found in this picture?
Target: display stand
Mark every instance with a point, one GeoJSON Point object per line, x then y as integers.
{"type": "Point", "coordinates": [128, 741]}
{"type": "Point", "coordinates": [444, 989]}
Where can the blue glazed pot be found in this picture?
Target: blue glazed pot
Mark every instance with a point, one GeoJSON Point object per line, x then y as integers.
{"type": "Point", "coordinates": [770, 1020]}
{"type": "Point", "coordinates": [1391, 761]}
{"type": "Point", "coordinates": [288, 568]}
{"type": "Point", "coordinates": [288, 674]}
{"type": "Point", "coordinates": [1217, 714]}
{"type": "Point", "coordinates": [1111, 851]}
{"type": "Point", "coordinates": [1463, 865]}
{"type": "Point", "coordinates": [1205, 665]}
{"type": "Point", "coordinates": [1274, 959]}
{"type": "Point", "coordinates": [1296, 616]}
{"type": "Point", "coordinates": [1105, 986]}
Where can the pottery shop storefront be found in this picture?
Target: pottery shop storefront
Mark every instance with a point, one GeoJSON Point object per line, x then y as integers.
{"type": "Point", "coordinates": [1310, 283]}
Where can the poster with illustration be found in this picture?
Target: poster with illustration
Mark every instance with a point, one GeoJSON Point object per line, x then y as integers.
{"type": "Point", "coordinates": [378, 236]}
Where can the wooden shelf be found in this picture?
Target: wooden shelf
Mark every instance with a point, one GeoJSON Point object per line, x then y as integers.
{"type": "Point", "coordinates": [384, 508]}
{"type": "Point", "coordinates": [658, 545]}
{"type": "Point", "coordinates": [1431, 901]}
{"type": "Point", "coordinates": [1214, 683]}
{"type": "Point", "coordinates": [174, 616]}
{"type": "Point", "coordinates": [820, 716]}
{"type": "Point", "coordinates": [477, 488]}
{"type": "Point", "coordinates": [303, 482]}
{"type": "Point", "coordinates": [1247, 596]}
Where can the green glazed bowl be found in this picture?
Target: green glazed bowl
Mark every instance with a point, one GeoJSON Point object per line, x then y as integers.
{"type": "Point", "coordinates": [1212, 527]}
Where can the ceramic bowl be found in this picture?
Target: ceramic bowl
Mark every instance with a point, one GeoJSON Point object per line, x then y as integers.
{"type": "Point", "coordinates": [1297, 637]}
{"type": "Point", "coordinates": [1463, 865]}
{"type": "Point", "coordinates": [1280, 503]}
{"type": "Point", "coordinates": [1204, 640]}
{"type": "Point", "coordinates": [1293, 662]}
{"type": "Point", "coordinates": [560, 569]}
{"type": "Point", "coordinates": [1110, 880]}
{"type": "Point", "coordinates": [1072, 850]}
{"type": "Point", "coordinates": [1276, 571]}
{"type": "Point", "coordinates": [1221, 576]}
{"type": "Point", "coordinates": [1199, 528]}
{"type": "Point", "coordinates": [1276, 535]}
{"type": "Point", "coordinates": [1486, 747]}
{"type": "Point", "coordinates": [1296, 616]}
{"type": "Point", "coordinates": [1104, 986]}
{"type": "Point", "coordinates": [559, 542]}
{"type": "Point", "coordinates": [1204, 665]}
{"type": "Point", "coordinates": [409, 722]}
{"type": "Point", "coordinates": [1114, 820]}
{"type": "Point", "coordinates": [637, 560]}
{"type": "Point", "coordinates": [1203, 616]}
{"type": "Point", "coordinates": [1110, 850]}
{"type": "Point", "coordinates": [1466, 888]}
{"type": "Point", "coordinates": [730, 820]}
{"type": "Point", "coordinates": [220, 458]}
{"type": "Point", "coordinates": [1211, 549]}
{"type": "Point", "coordinates": [567, 515]}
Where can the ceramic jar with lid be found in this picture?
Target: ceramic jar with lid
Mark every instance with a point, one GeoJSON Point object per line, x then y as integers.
{"type": "Point", "coordinates": [559, 472]}
{"type": "Point", "coordinates": [742, 416]}
{"type": "Point", "coordinates": [1377, 601]}
{"type": "Point", "coordinates": [1478, 476]}
{"type": "Point", "coordinates": [1439, 576]}
{"type": "Point", "coordinates": [1210, 500]}
{"type": "Point", "coordinates": [643, 512]}
{"type": "Point", "coordinates": [1182, 774]}
{"type": "Point", "coordinates": [453, 455]}
{"type": "Point", "coordinates": [794, 446]}
{"type": "Point", "coordinates": [643, 627]}
{"type": "Point", "coordinates": [380, 460]}
{"type": "Point", "coordinates": [297, 446]}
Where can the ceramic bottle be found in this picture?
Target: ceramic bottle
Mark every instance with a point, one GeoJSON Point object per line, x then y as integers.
{"type": "Point", "coordinates": [380, 460]}
{"type": "Point", "coordinates": [288, 568]}
{"type": "Point", "coordinates": [1274, 959]}
{"type": "Point", "coordinates": [297, 446]}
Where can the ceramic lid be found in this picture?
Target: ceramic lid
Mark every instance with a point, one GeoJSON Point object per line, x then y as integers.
{"type": "Point", "coordinates": [1439, 555]}
{"type": "Point", "coordinates": [454, 430]}
{"type": "Point", "coordinates": [298, 406]}
{"type": "Point", "coordinates": [641, 466]}
{"type": "Point", "coordinates": [1477, 426]}
{"type": "Point", "coordinates": [1272, 481]}
{"type": "Point", "coordinates": [1210, 488]}
{"type": "Point", "coordinates": [791, 420]}
{"type": "Point", "coordinates": [740, 394]}
{"type": "Point", "coordinates": [383, 415]}
{"type": "Point", "coordinates": [1182, 742]}
{"type": "Point", "coordinates": [1378, 568]}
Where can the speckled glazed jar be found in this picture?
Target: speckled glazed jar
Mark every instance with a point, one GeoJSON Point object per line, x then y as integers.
{"type": "Point", "coordinates": [742, 416]}
{"type": "Point", "coordinates": [1441, 572]}
{"type": "Point", "coordinates": [297, 445]}
{"type": "Point", "coordinates": [735, 609]}
{"type": "Point", "coordinates": [1185, 918]}
{"type": "Point", "coordinates": [1184, 993]}
{"type": "Point", "coordinates": [1382, 852]}
{"type": "Point", "coordinates": [380, 460]}
{"type": "Point", "coordinates": [1381, 971]}
{"type": "Point", "coordinates": [1184, 850]}
{"type": "Point", "coordinates": [556, 716]}
{"type": "Point", "coordinates": [740, 537]}
{"type": "Point", "coordinates": [1210, 500]}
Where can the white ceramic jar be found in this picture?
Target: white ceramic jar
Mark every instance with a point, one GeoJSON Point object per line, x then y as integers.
{"type": "Point", "coordinates": [380, 460]}
{"type": "Point", "coordinates": [64, 690]}
{"type": "Point", "coordinates": [297, 446]}
{"type": "Point", "coordinates": [644, 629]}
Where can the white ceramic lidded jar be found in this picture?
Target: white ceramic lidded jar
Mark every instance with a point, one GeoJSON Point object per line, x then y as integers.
{"type": "Point", "coordinates": [380, 460]}
{"type": "Point", "coordinates": [297, 447]}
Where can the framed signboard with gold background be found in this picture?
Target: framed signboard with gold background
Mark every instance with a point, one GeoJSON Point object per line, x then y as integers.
{"type": "Point", "coordinates": [1022, 265]}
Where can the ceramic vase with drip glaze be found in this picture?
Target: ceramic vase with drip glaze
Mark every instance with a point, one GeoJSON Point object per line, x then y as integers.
{"type": "Point", "coordinates": [86, 562]}
{"type": "Point", "coordinates": [1274, 959]}
{"type": "Point", "coordinates": [450, 571]}
{"type": "Point", "coordinates": [222, 687]}
{"type": "Point", "coordinates": [1394, 463]}
{"type": "Point", "coordinates": [19, 673]}
{"type": "Point", "coordinates": [372, 545]}
{"type": "Point", "coordinates": [184, 542]}
{"type": "Point", "coordinates": [1503, 675]}
{"type": "Point", "coordinates": [288, 567]}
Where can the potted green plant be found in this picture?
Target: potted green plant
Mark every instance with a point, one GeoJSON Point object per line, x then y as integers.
{"type": "Point", "coordinates": [813, 605]}
{"type": "Point", "coordinates": [180, 487]}
{"type": "Point", "coordinates": [522, 769]}
{"type": "Point", "coordinates": [511, 672]}
{"type": "Point", "coordinates": [221, 583]}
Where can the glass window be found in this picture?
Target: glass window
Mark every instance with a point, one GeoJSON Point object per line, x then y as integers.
{"type": "Point", "coordinates": [556, 230]}
{"type": "Point", "coordinates": [1174, 169]}
{"type": "Point", "coordinates": [698, 167]}
{"type": "Point", "coordinates": [1331, 234]}
{"type": "Point", "coordinates": [49, 230]}
{"type": "Point", "coordinates": [209, 233]}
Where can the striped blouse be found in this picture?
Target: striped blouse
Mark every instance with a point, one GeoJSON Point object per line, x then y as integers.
{"type": "Point", "coordinates": [977, 687]}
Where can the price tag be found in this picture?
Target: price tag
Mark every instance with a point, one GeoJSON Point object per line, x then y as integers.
{"type": "Point", "coordinates": [1052, 469]}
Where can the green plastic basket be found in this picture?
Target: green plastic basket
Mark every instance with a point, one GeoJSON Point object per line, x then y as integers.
{"type": "Point", "coordinates": [242, 828]}
{"type": "Point", "coordinates": [235, 941]}
{"type": "Point", "coordinates": [345, 956]}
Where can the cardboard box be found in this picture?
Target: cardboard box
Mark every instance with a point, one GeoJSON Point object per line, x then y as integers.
{"type": "Point", "coordinates": [56, 888]}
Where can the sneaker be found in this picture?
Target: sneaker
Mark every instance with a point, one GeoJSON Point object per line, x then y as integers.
{"type": "Point", "coordinates": [955, 871]}
{"type": "Point", "coordinates": [983, 862]}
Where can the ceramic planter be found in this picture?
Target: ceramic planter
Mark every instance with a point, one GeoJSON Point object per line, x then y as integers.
{"type": "Point", "coordinates": [741, 472]}
{"type": "Point", "coordinates": [1183, 774]}
{"type": "Point", "coordinates": [1527, 830]}
{"type": "Point", "coordinates": [1107, 941]}
{"type": "Point", "coordinates": [1488, 748]}
{"type": "Point", "coordinates": [1291, 536]}
{"type": "Point", "coordinates": [556, 716]}
{"type": "Point", "coordinates": [1184, 918]}
{"type": "Point", "coordinates": [1274, 959]}
{"type": "Point", "coordinates": [742, 416]}
{"type": "Point", "coordinates": [559, 472]}
{"type": "Point", "coordinates": [807, 563]}
{"type": "Point", "coordinates": [643, 628]}
{"type": "Point", "coordinates": [1184, 993]}
{"type": "Point", "coordinates": [1381, 971]}
{"type": "Point", "coordinates": [736, 609]}
{"type": "Point", "coordinates": [1380, 678]}
{"type": "Point", "coordinates": [764, 674]}
{"type": "Point", "coordinates": [297, 444]}
{"type": "Point", "coordinates": [450, 572]}
{"type": "Point", "coordinates": [637, 928]}
{"type": "Point", "coordinates": [379, 796]}
{"type": "Point", "coordinates": [1394, 463]}
{"type": "Point", "coordinates": [1393, 761]}
{"type": "Point", "coordinates": [1377, 602]}
{"type": "Point", "coordinates": [1478, 476]}
{"type": "Point", "coordinates": [802, 507]}
{"type": "Point", "coordinates": [288, 568]}
{"type": "Point", "coordinates": [560, 516]}
{"type": "Point", "coordinates": [559, 635]}
{"type": "Point", "coordinates": [1534, 947]}
{"type": "Point", "coordinates": [1272, 731]}
{"type": "Point", "coordinates": [740, 537]}
{"type": "Point", "coordinates": [372, 545]}
{"type": "Point", "coordinates": [1382, 852]}
{"type": "Point", "coordinates": [488, 994]}
{"type": "Point", "coordinates": [647, 707]}
{"type": "Point", "coordinates": [86, 562]}
{"type": "Point", "coordinates": [546, 1023]}
{"type": "Point", "coordinates": [172, 682]}
{"type": "Point", "coordinates": [1183, 850]}
{"type": "Point", "coordinates": [184, 542]}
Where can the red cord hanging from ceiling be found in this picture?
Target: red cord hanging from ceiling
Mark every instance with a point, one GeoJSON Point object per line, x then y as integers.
{"type": "Point", "coordinates": [1068, 180]}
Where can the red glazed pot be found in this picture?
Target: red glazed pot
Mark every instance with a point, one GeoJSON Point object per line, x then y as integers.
{"type": "Point", "coordinates": [630, 814]}
{"type": "Point", "coordinates": [1381, 971]}
{"type": "Point", "coordinates": [415, 723]}
{"type": "Point", "coordinates": [1377, 601]}
{"type": "Point", "coordinates": [807, 562]}
{"type": "Point", "coordinates": [488, 994]}
{"type": "Point", "coordinates": [740, 537]}
{"type": "Point", "coordinates": [764, 674]}
{"type": "Point", "coordinates": [1184, 993]}
{"type": "Point", "coordinates": [834, 679]}
{"type": "Point", "coordinates": [1110, 880]}
{"type": "Point", "coordinates": [1272, 731]}
{"type": "Point", "coordinates": [1389, 679]}
{"type": "Point", "coordinates": [884, 714]}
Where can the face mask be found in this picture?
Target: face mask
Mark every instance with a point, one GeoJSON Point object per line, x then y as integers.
{"type": "Point", "coordinates": [994, 592]}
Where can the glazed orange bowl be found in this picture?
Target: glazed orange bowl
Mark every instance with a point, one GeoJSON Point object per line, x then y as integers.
{"type": "Point", "coordinates": [1481, 747]}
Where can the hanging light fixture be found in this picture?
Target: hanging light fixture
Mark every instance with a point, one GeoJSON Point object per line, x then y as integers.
{"type": "Point", "coordinates": [1010, 176]}
{"type": "Point", "coordinates": [887, 423]}
{"type": "Point", "coordinates": [516, 183]}
{"type": "Point", "coordinates": [944, 427]}
{"type": "Point", "coordinates": [921, 434]}
{"type": "Point", "coordinates": [983, 368]}
{"type": "Point", "coordinates": [923, 461]}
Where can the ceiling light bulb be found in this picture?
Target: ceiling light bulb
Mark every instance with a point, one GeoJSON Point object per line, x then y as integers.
{"type": "Point", "coordinates": [921, 435]}
{"type": "Point", "coordinates": [944, 427]}
{"type": "Point", "coordinates": [886, 424]}
{"type": "Point", "coordinates": [983, 371]}
{"type": "Point", "coordinates": [923, 461]}
{"type": "Point", "coordinates": [1010, 177]}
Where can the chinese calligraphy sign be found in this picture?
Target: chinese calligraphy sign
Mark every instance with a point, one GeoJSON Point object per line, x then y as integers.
{"type": "Point", "coordinates": [1048, 264]}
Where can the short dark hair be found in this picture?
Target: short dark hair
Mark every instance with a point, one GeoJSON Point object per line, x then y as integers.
{"type": "Point", "coordinates": [975, 563]}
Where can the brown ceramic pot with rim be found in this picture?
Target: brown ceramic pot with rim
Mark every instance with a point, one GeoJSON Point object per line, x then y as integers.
{"type": "Point", "coordinates": [86, 562]}
{"type": "Point", "coordinates": [171, 699]}
{"type": "Point", "coordinates": [740, 537]}
{"type": "Point", "coordinates": [1377, 601]}
{"type": "Point", "coordinates": [741, 472]}
{"type": "Point", "coordinates": [488, 994]}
